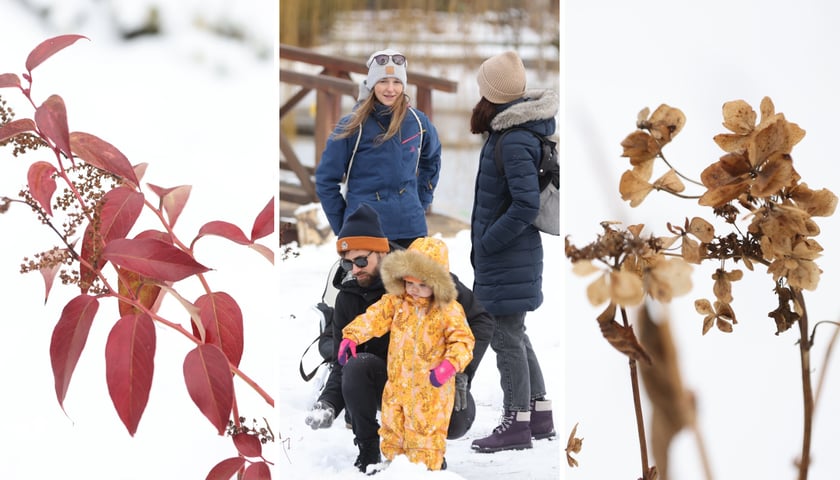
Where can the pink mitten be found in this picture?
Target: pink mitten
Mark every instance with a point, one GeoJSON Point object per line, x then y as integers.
{"type": "Point", "coordinates": [440, 374]}
{"type": "Point", "coordinates": [345, 345]}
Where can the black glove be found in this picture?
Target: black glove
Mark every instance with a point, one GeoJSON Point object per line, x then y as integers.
{"type": "Point", "coordinates": [321, 416]}
{"type": "Point", "coordinates": [460, 391]}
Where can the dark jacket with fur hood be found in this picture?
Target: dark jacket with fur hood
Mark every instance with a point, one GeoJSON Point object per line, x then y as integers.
{"type": "Point", "coordinates": [507, 253]}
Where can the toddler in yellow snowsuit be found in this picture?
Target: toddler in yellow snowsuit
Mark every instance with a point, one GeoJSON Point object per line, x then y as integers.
{"type": "Point", "coordinates": [430, 342]}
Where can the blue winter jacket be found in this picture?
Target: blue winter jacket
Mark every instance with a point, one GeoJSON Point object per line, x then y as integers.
{"type": "Point", "coordinates": [386, 176]}
{"type": "Point", "coordinates": [507, 253]}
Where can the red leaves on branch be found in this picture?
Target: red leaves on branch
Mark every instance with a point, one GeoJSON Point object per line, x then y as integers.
{"type": "Point", "coordinates": [210, 383]}
{"type": "Point", "coordinates": [42, 184]}
{"type": "Point", "coordinates": [129, 367]}
{"type": "Point", "coordinates": [222, 322]}
{"type": "Point", "coordinates": [263, 226]}
{"type": "Point", "coordinates": [152, 258]}
{"type": "Point", "coordinates": [48, 48]}
{"type": "Point", "coordinates": [257, 471]}
{"type": "Point", "coordinates": [102, 155]}
{"type": "Point", "coordinates": [68, 340]}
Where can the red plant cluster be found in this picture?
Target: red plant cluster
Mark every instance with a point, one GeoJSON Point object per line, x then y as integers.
{"type": "Point", "coordinates": [103, 189]}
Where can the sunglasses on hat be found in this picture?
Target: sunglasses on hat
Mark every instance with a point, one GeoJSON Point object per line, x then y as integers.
{"type": "Point", "coordinates": [383, 59]}
{"type": "Point", "coordinates": [361, 262]}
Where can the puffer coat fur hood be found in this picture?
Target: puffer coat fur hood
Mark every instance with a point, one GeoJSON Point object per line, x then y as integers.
{"type": "Point", "coordinates": [427, 259]}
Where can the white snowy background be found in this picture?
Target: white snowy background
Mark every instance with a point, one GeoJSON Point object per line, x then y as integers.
{"type": "Point", "coordinates": [619, 58]}
{"type": "Point", "coordinates": [201, 110]}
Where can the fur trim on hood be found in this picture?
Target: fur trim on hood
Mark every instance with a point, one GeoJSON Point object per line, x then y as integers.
{"type": "Point", "coordinates": [538, 105]}
{"type": "Point", "coordinates": [427, 259]}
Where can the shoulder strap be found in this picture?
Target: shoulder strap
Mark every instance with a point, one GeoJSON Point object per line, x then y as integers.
{"type": "Point", "coordinates": [308, 376]}
{"type": "Point", "coordinates": [419, 150]}
{"type": "Point", "coordinates": [352, 156]}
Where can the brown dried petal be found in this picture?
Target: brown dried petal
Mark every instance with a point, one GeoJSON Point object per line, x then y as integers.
{"type": "Point", "coordinates": [732, 143]}
{"type": "Point", "coordinates": [573, 445]}
{"type": "Point", "coordinates": [669, 277]}
{"type": "Point", "coordinates": [626, 289]}
{"type": "Point", "coordinates": [703, 306]}
{"type": "Point", "coordinates": [598, 291]}
{"type": "Point", "coordinates": [818, 203]}
{"type": "Point", "coordinates": [668, 121]}
{"type": "Point", "coordinates": [776, 174]}
{"type": "Point", "coordinates": [738, 117]}
{"type": "Point", "coordinates": [669, 182]}
{"type": "Point", "coordinates": [723, 325]}
{"type": "Point", "coordinates": [639, 146]}
{"type": "Point", "coordinates": [633, 188]}
{"type": "Point", "coordinates": [767, 109]}
{"type": "Point", "coordinates": [692, 252]}
{"type": "Point", "coordinates": [722, 288]}
{"type": "Point", "coordinates": [708, 322]}
{"type": "Point", "coordinates": [701, 229]}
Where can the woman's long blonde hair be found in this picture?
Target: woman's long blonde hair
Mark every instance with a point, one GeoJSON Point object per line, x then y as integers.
{"type": "Point", "coordinates": [361, 113]}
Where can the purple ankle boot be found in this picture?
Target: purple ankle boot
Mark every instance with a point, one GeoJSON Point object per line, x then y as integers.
{"type": "Point", "coordinates": [514, 433]}
{"type": "Point", "coordinates": [542, 423]}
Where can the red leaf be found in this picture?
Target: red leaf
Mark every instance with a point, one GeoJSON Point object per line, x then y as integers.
{"type": "Point", "coordinates": [51, 118]}
{"type": "Point", "coordinates": [226, 469]}
{"type": "Point", "coordinates": [68, 340]}
{"type": "Point", "coordinates": [257, 471]}
{"type": "Point", "coordinates": [120, 209]}
{"type": "Point", "coordinates": [9, 80]}
{"type": "Point", "coordinates": [152, 258]}
{"type": "Point", "coordinates": [137, 287]}
{"type": "Point", "coordinates": [172, 200]}
{"type": "Point", "coordinates": [264, 251]}
{"type": "Point", "coordinates": [49, 274]}
{"type": "Point", "coordinates": [42, 184]}
{"type": "Point", "coordinates": [248, 445]}
{"type": "Point", "coordinates": [102, 155]}
{"type": "Point", "coordinates": [222, 321]}
{"type": "Point", "coordinates": [210, 384]}
{"type": "Point", "coordinates": [91, 251]}
{"type": "Point", "coordinates": [130, 366]}
{"type": "Point", "coordinates": [16, 127]}
{"type": "Point", "coordinates": [48, 48]}
{"type": "Point", "coordinates": [264, 223]}
{"type": "Point", "coordinates": [223, 229]}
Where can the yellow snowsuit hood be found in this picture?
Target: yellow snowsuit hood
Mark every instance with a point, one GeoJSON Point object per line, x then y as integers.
{"type": "Point", "coordinates": [427, 259]}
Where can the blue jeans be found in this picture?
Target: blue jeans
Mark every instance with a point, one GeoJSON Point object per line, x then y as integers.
{"type": "Point", "coordinates": [519, 369]}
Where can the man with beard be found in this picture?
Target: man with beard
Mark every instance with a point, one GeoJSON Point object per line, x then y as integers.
{"type": "Point", "coordinates": [357, 386]}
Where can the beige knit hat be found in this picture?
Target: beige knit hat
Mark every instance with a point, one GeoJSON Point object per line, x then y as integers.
{"type": "Point", "coordinates": [501, 78]}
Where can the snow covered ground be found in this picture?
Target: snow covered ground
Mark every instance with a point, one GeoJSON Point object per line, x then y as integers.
{"type": "Point", "coordinates": [329, 454]}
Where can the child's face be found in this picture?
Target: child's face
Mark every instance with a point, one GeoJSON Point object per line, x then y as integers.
{"type": "Point", "coordinates": [418, 289]}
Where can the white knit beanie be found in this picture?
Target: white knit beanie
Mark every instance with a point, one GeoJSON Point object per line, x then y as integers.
{"type": "Point", "coordinates": [377, 72]}
{"type": "Point", "coordinates": [501, 78]}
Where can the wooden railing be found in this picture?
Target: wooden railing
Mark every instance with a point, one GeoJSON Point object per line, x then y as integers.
{"type": "Point", "coordinates": [330, 85]}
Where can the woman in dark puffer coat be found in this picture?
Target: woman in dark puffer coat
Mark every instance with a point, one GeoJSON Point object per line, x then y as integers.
{"type": "Point", "coordinates": [507, 253]}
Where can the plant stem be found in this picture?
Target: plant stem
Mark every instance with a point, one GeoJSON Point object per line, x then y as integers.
{"type": "Point", "coordinates": [807, 391]}
{"type": "Point", "coordinates": [637, 402]}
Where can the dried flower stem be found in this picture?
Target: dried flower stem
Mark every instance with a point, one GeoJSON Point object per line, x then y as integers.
{"type": "Point", "coordinates": [807, 390]}
{"type": "Point", "coordinates": [637, 403]}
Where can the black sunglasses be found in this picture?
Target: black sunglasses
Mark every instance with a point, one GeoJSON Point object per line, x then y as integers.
{"type": "Point", "coordinates": [383, 59]}
{"type": "Point", "coordinates": [361, 262]}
